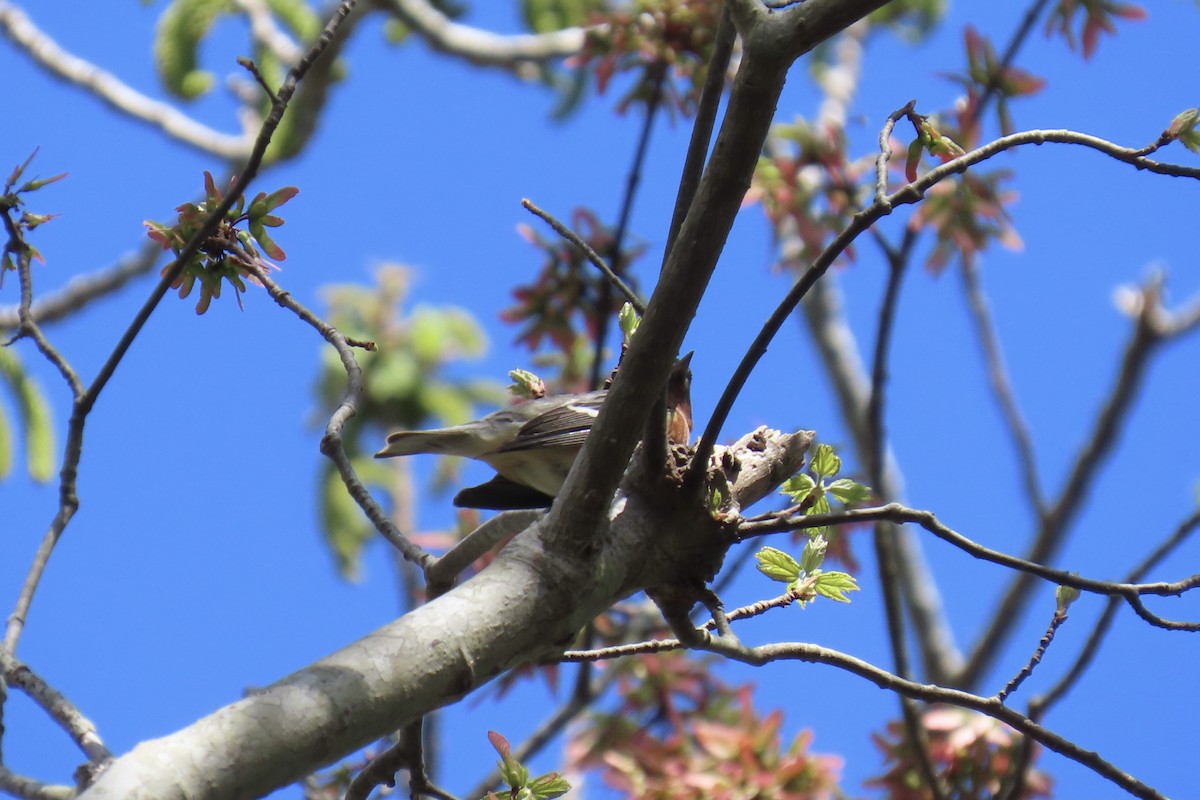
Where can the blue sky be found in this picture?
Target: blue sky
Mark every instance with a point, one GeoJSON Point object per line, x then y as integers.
{"type": "Point", "coordinates": [195, 569]}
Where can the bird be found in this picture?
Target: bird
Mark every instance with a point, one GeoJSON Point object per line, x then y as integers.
{"type": "Point", "coordinates": [532, 445]}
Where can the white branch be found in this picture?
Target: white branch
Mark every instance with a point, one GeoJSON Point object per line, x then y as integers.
{"type": "Point", "coordinates": [21, 31]}
{"type": "Point", "coordinates": [484, 47]}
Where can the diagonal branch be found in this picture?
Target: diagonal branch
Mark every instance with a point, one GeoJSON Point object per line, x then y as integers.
{"type": "Point", "coordinates": [16, 25]}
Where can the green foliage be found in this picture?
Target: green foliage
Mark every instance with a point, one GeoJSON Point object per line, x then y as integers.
{"type": "Point", "coordinates": [229, 253]}
{"type": "Point", "coordinates": [811, 489]}
{"type": "Point", "coordinates": [34, 413]}
{"type": "Point", "coordinates": [181, 28]}
{"type": "Point", "coordinates": [526, 385]}
{"type": "Point", "coordinates": [629, 322]}
{"type": "Point", "coordinates": [11, 199]}
{"type": "Point", "coordinates": [543, 16]}
{"type": "Point", "coordinates": [805, 578]}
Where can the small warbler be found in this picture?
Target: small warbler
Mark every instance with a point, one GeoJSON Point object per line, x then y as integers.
{"type": "Point", "coordinates": [532, 445]}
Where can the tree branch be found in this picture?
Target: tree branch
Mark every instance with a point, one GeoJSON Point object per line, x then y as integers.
{"type": "Point", "coordinates": [16, 25]}
{"type": "Point", "coordinates": [483, 47]}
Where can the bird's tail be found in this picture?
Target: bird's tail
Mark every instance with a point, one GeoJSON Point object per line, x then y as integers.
{"type": "Point", "coordinates": [461, 440]}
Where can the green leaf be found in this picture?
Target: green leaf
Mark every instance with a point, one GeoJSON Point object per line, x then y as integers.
{"type": "Point", "coordinates": [1064, 596]}
{"type": "Point", "coordinates": [849, 492]}
{"type": "Point", "coordinates": [834, 585]}
{"type": "Point", "coordinates": [6, 444]}
{"type": "Point", "coordinates": [298, 17]}
{"type": "Point", "coordinates": [34, 414]}
{"type": "Point", "coordinates": [629, 321]}
{"type": "Point", "coordinates": [777, 565]}
{"type": "Point", "coordinates": [268, 244]}
{"type": "Point", "coordinates": [549, 786]}
{"type": "Point", "coordinates": [18, 170]}
{"type": "Point", "coordinates": [264, 203]}
{"type": "Point", "coordinates": [825, 462]}
{"type": "Point", "coordinates": [34, 185]}
{"type": "Point", "coordinates": [814, 554]}
{"type": "Point", "coordinates": [798, 487]}
{"type": "Point", "coordinates": [177, 42]}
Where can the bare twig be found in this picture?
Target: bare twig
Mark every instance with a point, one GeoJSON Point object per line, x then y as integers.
{"type": "Point", "coordinates": [809, 653]}
{"type": "Point", "coordinates": [27, 325]}
{"type": "Point", "coordinates": [886, 555]}
{"type": "Point", "coordinates": [992, 707]}
{"type": "Point", "coordinates": [592, 255]}
{"type": "Point", "coordinates": [83, 289]}
{"type": "Point", "coordinates": [58, 707]}
{"type": "Point", "coordinates": [702, 128]}
{"type": "Point", "coordinates": [910, 193]}
{"type": "Point", "coordinates": [776, 523]}
{"type": "Point", "coordinates": [1092, 646]}
{"type": "Point", "coordinates": [1060, 616]}
{"type": "Point", "coordinates": [331, 443]}
{"type": "Point", "coordinates": [19, 28]}
{"type": "Point", "coordinates": [407, 754]}
{"type": "Point", "coordinates": [1018, 429]}
{"type": "Point", "coordinates": [654, 77]}
{"type": "Point", "coordinates": [1147, 335]}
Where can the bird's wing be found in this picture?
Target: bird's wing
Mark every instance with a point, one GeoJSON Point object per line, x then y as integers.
{"type": "Point", "coordinates": [565, 425]}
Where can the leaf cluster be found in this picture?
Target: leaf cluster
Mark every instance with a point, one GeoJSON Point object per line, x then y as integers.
{"type": "Point", "coordinates": [230, 254]}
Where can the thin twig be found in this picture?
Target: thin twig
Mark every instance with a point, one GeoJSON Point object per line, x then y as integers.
{"type": "Point", "coordinates": [706, 115]}
{"type": "Point", "coordinates": [29, 789]}
{"type": "Point", "coordinates": [655, 77]}
{"type": "Point", "coordinates": [895, 512]}
{"type": "Point", "coordinates": [83, 289]}
{"type": "Point", "coordinates": [268, 34]}
{"type": "Point", "coordinates": [331, 443]}
{"type": "Point", "coordinates": [883, 536]}
{"type": "Point", "coordinates": [1092, 646]}
{"type": "Point", "coordinates": [1002, 388]}
{"type": "Point", "coordinates": [1145, 337]}
{"type": "Point", "coordinates": [910, 193]}
{"type": "Point", "coordinates": [814, 654]}
{"type": "Point", "coordinates": [592, 255]}
{"type": "Point", "coordinates": [81, 730]}
{"type": "Point", "coordinates": [1060, 616]}
{"type": "Point", "coordinates": [992, 707]}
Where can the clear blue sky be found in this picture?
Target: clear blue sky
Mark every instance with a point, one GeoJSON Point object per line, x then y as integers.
{"type": "Point", "coordinates": [195, 569]}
